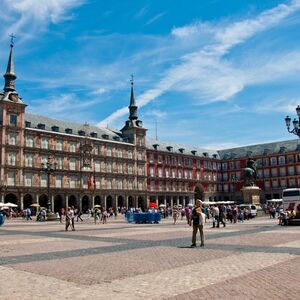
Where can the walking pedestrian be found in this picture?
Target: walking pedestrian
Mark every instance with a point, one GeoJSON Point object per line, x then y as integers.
{"type": "Point", "coordinates": [198, 219]}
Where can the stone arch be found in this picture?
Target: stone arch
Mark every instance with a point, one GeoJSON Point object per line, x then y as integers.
{"type": "Point", "coordinates": [27, 201]}
{"type": "Point", "coordinates": [85, 203]}
{"type": "Point", "coordinates": [109, 202]}
{"type": "Point", "coordinates": [141, 203]}
{"type": "Point", "coordinates": [58, 203]}
{"type": "Point", "coordinates": [199, 192]}
{"type": "Point", "coordinates": [130, 201]}
{"type": "Point", "coordinates": [12, 198]}
{"type": "Point", "coordinates": [97, 200]}
{"type": "Point", "coordinates": [120, 201]}
{"type": "Point", "coordinates": [72, 201]}
{"type": "Point", "coordinates": [43, 200]}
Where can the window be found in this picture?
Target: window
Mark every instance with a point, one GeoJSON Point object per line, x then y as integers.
{"type": "Point", "coordinates": [283, 183]}
{"type": "Point", "coordinates": [109, 183]}
{"type": "Point", "coordinates": [120, 184]}
{"type": "Point", "coordinates": [109, 167]}
{"type": "Point", "coordinates": [266, 161]}
{"type": "Point", "coordinates": [44, 160]}
{"type": "Point", "coordinates": [174, 173]}
{"type": "Point", "coordinates": [130, 169]}
{"type": "Point", "coordinates": [120, 153]}
{"type": "Point", "coordinates": [43, 180]}
{"type": "Point", "coordinates": [224, 166]}
{"type": "Point", "coordinates": [11, 178]}
{"type": "Point", "coordinates": [13, 119]}
{"type": "Point", "coordinates": [28, 180]}
{"type": "Point", "coordinates": [151, 171]}
{"type": "Point", "coordinates": [179, 161]}
{"type": "Point", "coordinates": [130, 154]}
{"type": "Point", "coordinates": [108, 151]}
{"type": "Point", "coordinates": [160, 172]}
{"type": "Point", "coordinates": [58, 181]}
{"type": "Point", "coordinates": [198, 164]}
{"type": "Point", "coordinates": [274, 172]}
{"type": "Point", "coordinates": [151, 158]}
{"type": "Point", "coordinates": [140, 184]}
{"type": "Point", "coordinates": [97, 166]}
{"type": "Point", "coordinates": [273, 161]}
{"type": "Point", "coordinates": [290, 159]}
{"type": "Point", "coordinates": [274, 183]}
{"type": "Point", "coordinates": [267, 184]}
{"type": "Point", "coordinates": [282, 172]}
{"type": "Point", "coordinates": [281, 160]}
{"type": "Point", "coordinates": [174, 161]}
{"type": "Point", "coordinates": [73, 180]}
{"type": "Point", "coordinates": [179, 173]}
{"type": "Point", "coordinates": [72, 164]}
{"type": "Point", "coordinates": [12, 159]}
{"type": "Point", "coordinates": [28, 160]}
{"type": "Point", "coordinates": [29, 141]}
{"type": "Point", "coordinates": [167, 173]}
{"type": "Point", "coordinates": [141, 170]}
{"type": "Point", "coordinates": [231, 165]}
{"type": "Point", "coordinates": [44, 143]}
{"type": "Point", "coordinates": [12, 139]}
{"type": "Point", "coordinates": [72, 146]}
{"type": "Point", "coordinates": [59, 163]}
{"type": "Point", "coordinates": [266, 173]}
{"type": "Point", "coordinates": [292, 182]}
{"type": "Point", "coordinates": [59, 145]}
{"type": "Point", "coordinates": [120, 168]}
{"type": "Point", "coordinates": [291, 171]}
{"type": "Point", "coordinates": [225, 176]}
{"type": "Point", "coordinates": [159, 159]}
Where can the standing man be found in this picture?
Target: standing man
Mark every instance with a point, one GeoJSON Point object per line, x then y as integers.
{"type": "Point", "coordinates": [198, 218]}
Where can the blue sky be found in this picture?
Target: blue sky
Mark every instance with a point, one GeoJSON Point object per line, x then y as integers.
{"type": "Point", "coordinates": [210, 73]}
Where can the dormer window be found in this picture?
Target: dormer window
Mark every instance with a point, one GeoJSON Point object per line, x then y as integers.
{"type": "Point", "coordinates": [116, 138]}
{"type": "Point", "coordinates": [215, 155]}
{"type": "Point", "coordinates": [55, 128]}
{"type": "Point", "coordinates": [282, 149]}
{"type": "Point", "coordinates": [13, 119]}
{"type": "Point", "coordinates": [249, 153]}
{"type": "Point", "coordinates": [41, 126]}
{"type": "Point", "coordinates": [298, 147]}
{"type": "Point", "coordinates": [27, 124]}
{"type": "Point", "coordinates": [181, 150]}
{"type": "Point", "coordinates": [266, 151]}
{"type": "Point", "coordinates": [155, 146]}
{"type": "Point", "coordinates": [105, 136]}
{"type": "Point", "coordinates": [69, 130]}
{"type": "Point", "coordinates": [94, 134]}
{"type": "Point", "coordinates": [205, 154]}
{"type": "Point", "coordinates": [194, 152]}
{"type": "Point", "coordinates": [169, 148]}
{"type": "Point", "coordinates": [81, 132]}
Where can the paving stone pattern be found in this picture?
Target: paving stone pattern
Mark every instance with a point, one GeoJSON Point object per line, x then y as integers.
{"type": "Point", "coordinates": [256, 259]}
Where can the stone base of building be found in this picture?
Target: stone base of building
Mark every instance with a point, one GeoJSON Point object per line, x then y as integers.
{"type": "Point", "coordinates": [251, 195]}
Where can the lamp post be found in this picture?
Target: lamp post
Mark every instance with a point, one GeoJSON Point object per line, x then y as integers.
{"type": "Point", "coordinates": [296, 123]}
{"type": "Point", "coordinates": [49, 168]}
{"type": "Point", "coordinates": [233, 181]}
{"type": "Point", "coordinates": [3, 188]}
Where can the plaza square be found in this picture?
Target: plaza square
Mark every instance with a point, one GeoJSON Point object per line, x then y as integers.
{"type": "Point", "coordinates": [118, 260]}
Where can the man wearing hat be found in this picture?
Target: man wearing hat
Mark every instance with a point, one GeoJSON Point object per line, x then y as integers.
{"type": "Point", "coordinates": [198, 219]}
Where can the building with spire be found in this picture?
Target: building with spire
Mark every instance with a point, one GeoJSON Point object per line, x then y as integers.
{"type": "Point", "coordinates": [89, 165]}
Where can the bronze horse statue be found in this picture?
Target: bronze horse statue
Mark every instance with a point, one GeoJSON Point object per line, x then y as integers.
{"type": "Point", "coordinates": [250, 173]}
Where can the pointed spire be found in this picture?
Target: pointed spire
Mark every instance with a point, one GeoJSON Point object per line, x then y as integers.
{"type": "Point", "coordinates": [10, 75]}
{"type": "Point", "coordinates": [132, 107]}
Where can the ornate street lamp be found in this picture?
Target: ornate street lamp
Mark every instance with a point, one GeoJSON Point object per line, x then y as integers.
{"type": "Point", "coordinates": [3, 188]}
{"type": "Point", "coordinates": [49, 168]}
{"type": "Point", "coordinates": [296, 123]}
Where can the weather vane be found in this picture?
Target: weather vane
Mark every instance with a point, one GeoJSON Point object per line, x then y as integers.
{"type": "Point", "coordinates": [12, 37]}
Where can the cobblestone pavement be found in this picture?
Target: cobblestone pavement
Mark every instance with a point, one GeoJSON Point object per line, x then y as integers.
{"type": "Point", "coordinates": [256, 259]}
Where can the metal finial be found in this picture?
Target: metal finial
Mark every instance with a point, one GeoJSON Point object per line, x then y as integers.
{"type": "Point", "coordinates": [12, 37]}
{"type": "Point", "coordinates": [131, 80]}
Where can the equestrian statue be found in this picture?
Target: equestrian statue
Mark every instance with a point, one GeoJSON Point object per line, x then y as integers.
{"type": "Point", "coordinates": [250, 173]}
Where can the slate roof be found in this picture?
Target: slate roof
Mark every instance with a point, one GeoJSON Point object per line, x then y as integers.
{"type": "Point", "coordinates": [63, 125]}
{"type": "Point", "coordinates": [261, 149]}
{"type": "Point", "coordinates": [187, 149]}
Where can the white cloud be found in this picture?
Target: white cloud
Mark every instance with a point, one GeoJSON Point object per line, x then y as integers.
{"type": "Point", "coordinates": [63, 106]}
{"type": "Point", "coordinates": [30, 16]}
{"type": "Point", "coordinates": [155, 18]}
{"type": "Point", "coordinates": [206, 72]}
{"type": "Point", "coordinates": [281, 105]}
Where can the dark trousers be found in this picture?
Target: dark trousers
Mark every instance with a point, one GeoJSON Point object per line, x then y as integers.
{"type": "Point", "coordinates": [195, 230]}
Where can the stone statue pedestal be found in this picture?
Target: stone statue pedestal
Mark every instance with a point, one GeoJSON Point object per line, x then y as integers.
{"type": "Point", "coordinates": [251, 195]}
